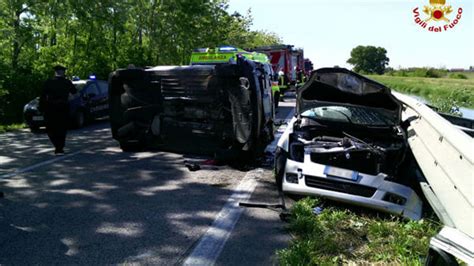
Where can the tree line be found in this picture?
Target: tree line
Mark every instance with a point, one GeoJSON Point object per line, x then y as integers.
{"type": "Point", "coordinates": [90, 36]}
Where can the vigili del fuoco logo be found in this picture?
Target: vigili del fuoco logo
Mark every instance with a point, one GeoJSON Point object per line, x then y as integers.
{"type": "Point", "coordinates": [438, 16]}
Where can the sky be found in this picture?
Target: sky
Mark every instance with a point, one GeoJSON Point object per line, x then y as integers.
{"type": "Point", "coordinates": [327, 30]}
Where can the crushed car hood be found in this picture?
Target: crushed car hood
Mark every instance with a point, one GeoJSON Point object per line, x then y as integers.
{"type": "Point", "coordinates": [342, 87]}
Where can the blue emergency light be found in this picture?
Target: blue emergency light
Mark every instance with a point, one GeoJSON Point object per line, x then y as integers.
{"type": "Point", "coordinates": [227, 49]}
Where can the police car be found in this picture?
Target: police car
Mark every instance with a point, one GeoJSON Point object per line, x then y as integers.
{"type": "Point", "coordinates": [90, 102]}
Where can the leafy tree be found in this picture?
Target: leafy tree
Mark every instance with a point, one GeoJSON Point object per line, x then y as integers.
{"type": "Point", "coordinates": [100, 36]}
{"type": "Point", "coordinates": [369, 59]}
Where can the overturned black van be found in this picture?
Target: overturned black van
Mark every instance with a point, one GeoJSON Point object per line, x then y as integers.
{"type": "Point", "coordinates": [212, 109]}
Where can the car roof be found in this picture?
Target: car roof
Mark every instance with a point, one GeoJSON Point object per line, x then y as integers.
{"type": "Point", "coordinates": [77, 82]}
{"type": "Point", "coordinates": [85, 81]}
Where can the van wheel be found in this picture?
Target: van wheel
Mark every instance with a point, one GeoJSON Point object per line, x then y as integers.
{"type": "Point", "coordinates": [79, 119]}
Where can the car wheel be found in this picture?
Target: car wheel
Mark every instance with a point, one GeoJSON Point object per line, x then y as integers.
{"type": "Point", "coordinates": [439, 257]}
{"type": "Point", "coordinates": [34, 129]}
{"type": "Point", "coordinates": [79, 119]}
{"type": "Point", "coordinates": [271, 131]}
{"type": "Point", "coordinates": [280, 163]}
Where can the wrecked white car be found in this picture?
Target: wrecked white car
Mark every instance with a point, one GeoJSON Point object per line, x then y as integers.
{"type": "Point", "coordinates": [347, 143]}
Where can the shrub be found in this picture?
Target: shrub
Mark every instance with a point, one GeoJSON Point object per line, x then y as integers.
{"type": "Point", "coordinates": [457, 76]}
{"type": "Point", "coordinates": [435, 73]}
{"type": "Point", "coordinates": [421, 72]}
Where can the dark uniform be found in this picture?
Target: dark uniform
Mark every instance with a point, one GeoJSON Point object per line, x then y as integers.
{"type": "Point", "coordinates": [55, 106]}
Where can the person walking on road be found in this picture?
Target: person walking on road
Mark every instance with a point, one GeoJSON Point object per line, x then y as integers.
{"type": "Point", "coordinates": [55, 106]}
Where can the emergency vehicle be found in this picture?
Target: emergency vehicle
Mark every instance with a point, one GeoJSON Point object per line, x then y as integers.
{"type": "Point", "coordinates": [90, 102]}
{"type": "Point", "coordinates": [287, 61]}
{"type": "Point", "coordinates": [228, 54]}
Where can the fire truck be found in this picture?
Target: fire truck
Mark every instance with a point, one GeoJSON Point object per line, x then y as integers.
{"type": "Point", "coordinates": [286, 60]}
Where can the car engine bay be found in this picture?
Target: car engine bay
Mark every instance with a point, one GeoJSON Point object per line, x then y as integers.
{"type": "Point", "coordinates": [363, 149]}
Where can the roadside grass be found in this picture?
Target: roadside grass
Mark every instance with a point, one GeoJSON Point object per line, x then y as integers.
{"type": "Point", "coordinates": [12, 127]}
{"type": "Point", "coordinates": [469, 75]}
{"type": "Point", "coordinates": [438, 91]}
{"type": "Point", "coordinates": [457, 76]}
{"type": "Point", "coordinates": [340, 236]}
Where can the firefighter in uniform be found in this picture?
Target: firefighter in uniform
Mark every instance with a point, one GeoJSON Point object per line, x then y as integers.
{"type": "Point", "coordinates": [55, 106]}
{"type": "Point", "coordinates": [301, 80]}
{"type": "Point", "coordinates": [281, 84]}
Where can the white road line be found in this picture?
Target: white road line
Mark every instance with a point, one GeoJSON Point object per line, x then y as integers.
{"type": "Point", "coordinates": [5, 159]}
{"type": "Point", "coordinates": [211, 244]}
{"type": "Point", "coordinates": [32, 167]}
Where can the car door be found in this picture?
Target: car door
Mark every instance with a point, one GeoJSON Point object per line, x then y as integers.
{"type": "Point", "coordinates": [103, 104]}
{"type": "Point", "coordinates": [92, 99]}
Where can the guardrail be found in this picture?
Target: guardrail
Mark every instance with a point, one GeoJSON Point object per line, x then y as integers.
{"type": "Point", "coordinates": [445, 155]}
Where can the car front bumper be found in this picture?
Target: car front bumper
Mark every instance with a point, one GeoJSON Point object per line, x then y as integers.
{"type": "Point", "coordinates": [34, 119]}
{"type": "Point", "coordinates": [371, 191]}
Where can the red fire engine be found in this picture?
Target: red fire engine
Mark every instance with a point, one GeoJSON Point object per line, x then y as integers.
{"type": "Point", "coordinates": [287, 61]}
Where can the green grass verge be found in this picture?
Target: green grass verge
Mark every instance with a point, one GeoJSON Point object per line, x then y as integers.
{"type": "Point", "coordinates": [339, 236]}
{"type": "Point", "coordinates": [12, 127]}
{"type": "Point", "coordinates": [438, 91]}
{"type": "Point", "coordinates": [469, 75]}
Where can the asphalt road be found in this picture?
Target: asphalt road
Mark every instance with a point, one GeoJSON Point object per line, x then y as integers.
{"type": "Point", "coordinates": [99, 205]}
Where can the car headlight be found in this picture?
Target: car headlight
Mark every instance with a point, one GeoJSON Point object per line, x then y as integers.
{"type": "Point", "coordinates": [30, 106]}
{"type": "Point", "coordinates": [296, 151]}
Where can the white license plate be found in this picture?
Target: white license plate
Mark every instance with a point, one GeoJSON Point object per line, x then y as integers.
{"type": "Point", "coordinates": [341, 173]}
{"type": "Point", "coordinates": [38, 118]}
